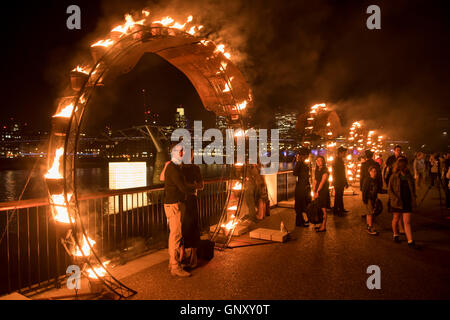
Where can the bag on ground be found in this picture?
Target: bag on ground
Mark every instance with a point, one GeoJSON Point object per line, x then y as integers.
{"type": "Point", "coordinates": [205, 250]}
{"type": "Point", "coordinates": [314, 212]}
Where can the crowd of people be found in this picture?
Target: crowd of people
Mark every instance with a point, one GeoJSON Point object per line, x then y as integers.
{"type": "Point", "coordinates": [394, 178]}
{"type": "Point", "coordinates": [182, 182]}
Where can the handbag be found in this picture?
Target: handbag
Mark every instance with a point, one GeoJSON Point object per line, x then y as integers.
{"type": "Point", "coordinates": [314, 212]}
{"type": "Point", "coordinates": [378, 207]}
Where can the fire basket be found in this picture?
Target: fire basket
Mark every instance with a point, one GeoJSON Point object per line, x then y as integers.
{"type": "Point", "coordinates": [218, 82]}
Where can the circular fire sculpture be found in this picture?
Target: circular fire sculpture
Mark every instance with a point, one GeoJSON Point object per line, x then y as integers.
{"type": "Point", "coordinates": [218, 82]}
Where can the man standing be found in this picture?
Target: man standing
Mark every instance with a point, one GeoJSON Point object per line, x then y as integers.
{"type": "Point", "coordinates": [302, 188]}
{"type": "Point", "coordinates": [340, 182]}
{"type": "Point", "coordinates": [175, 191]}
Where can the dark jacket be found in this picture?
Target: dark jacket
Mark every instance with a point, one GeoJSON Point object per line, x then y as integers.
{"type": "Point", "coordinates": [365, 166]}
{"type": "Point", "coordinates": [394, 190]}
{"type": "Point", "coordinates": [339, 177]}
{"type": "Point", "coordinates": [175, 186]}
{"type": "Point", "coordinates": [301, 171]}
{"type": "Point", "coordinates": [370, 190]}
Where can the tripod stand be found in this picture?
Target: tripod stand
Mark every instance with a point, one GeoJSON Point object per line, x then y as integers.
{"type": "Point", "coordinates": [439, 184]}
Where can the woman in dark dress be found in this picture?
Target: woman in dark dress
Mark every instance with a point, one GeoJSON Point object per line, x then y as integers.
{"type": "Point", "coordinates": [190, 225]}
{"type": "Point", "coordinates": [321, 188]}
{"type": "Point", "coordinates": [402, 197]}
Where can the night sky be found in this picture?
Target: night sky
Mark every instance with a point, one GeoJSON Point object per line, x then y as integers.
{"type": "Point", "coordinates": [293, 53]}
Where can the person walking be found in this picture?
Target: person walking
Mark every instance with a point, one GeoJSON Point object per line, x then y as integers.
{"type": "Point", "coordinates": [302, 188]}
{"type": "Point", "coordinates": [434, 170]}
{"type": "Point", "coordinates": [175, 191]}
{"type": "Point", "coordinates": [402, 196]}
{"type": "Point", "coordinates": [321, 188]}
{"type": "Point", "coordinates": [339, 182]}
{"type": "Point", "coordinates": [370, 191]}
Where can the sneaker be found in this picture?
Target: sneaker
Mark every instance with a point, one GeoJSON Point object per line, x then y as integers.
{"type": "Point", "coordinates": [372, 231]}
{"type": "Point", "coordinates": [179, 272]}
{"type": "Point", "coordinates": [397, 239]}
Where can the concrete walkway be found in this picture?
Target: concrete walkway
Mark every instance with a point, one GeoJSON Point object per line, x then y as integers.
{"type": "Point", "coordinates": [330, 265]}
{"type": "Point", "coordinates": [312, 265]}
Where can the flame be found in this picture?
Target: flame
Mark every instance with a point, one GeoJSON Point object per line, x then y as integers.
{"type": "Point", "coordinates": [80, 69]}
{"type": "Point", "coordinates": [103, 43]}
{"type": "Point", "coordinates": [237, 186]}
{"type": "Point", "coordinates": [349, 157]}
{"type": "Point", "coordinates": [221, 48]}
{"type": "Point", "coordinates": [129, 22]}
{"type": "Point", "coordinates": [239, 133]}
{"type": "Point", "coordinates": [241, 106]}
{"type": "Point", "coordinates": [98, 271]}
{"type": "Point", "coordinates": [66, 112]}
{"type": "Point", "coordinates": [53, 172]}
{"type": "Point", "coordinates": [232, 208]}
{"type": "Point", "coordinates": [85, 249]}
{"type": "Point", "coordinates": [238, 164]}
{"type": "Point", "coordinates": [227, 88]}
{"type": "Point", "coordinates": [146, 12]}
{"type": "Point", "coordinates": [230, 225]}
{"type": "Point", "coordinates": [62, 215]}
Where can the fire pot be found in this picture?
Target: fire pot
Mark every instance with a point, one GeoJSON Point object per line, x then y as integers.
{"type": "Point", "coordinates": [78, 79]}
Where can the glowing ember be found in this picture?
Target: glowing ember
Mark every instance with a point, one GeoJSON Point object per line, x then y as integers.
{"type": "Point", "coordinates": [53, 172]}
{"type": "Point", "coordinates": [60, 207]}
{"type": "Point", "coordinates": [85, 248]}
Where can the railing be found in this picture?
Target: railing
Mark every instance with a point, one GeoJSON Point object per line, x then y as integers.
{"type": "Point", "coordinates": [122, 222]}
{"type": "Point", "coordinates": [285, 185]}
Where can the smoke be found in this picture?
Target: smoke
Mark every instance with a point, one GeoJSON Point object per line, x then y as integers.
{"type": "Point", "coordinates": [298, 53]}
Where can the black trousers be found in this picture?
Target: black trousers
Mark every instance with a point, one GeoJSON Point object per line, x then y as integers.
{"type": "Point", "coordinates": [302, 199]}
{"type": "Point", "coordinates": [338, 200]}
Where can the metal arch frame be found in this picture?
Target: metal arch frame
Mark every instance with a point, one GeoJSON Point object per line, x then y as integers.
{"type": "Point", "coordinates": [77, 231]}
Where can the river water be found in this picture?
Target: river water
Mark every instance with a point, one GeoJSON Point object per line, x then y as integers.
{"type": "Point", "coordinates": [12, 182]}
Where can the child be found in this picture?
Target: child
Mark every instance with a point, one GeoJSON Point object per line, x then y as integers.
{"type": "Point", "coordinates": [370, 191]}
